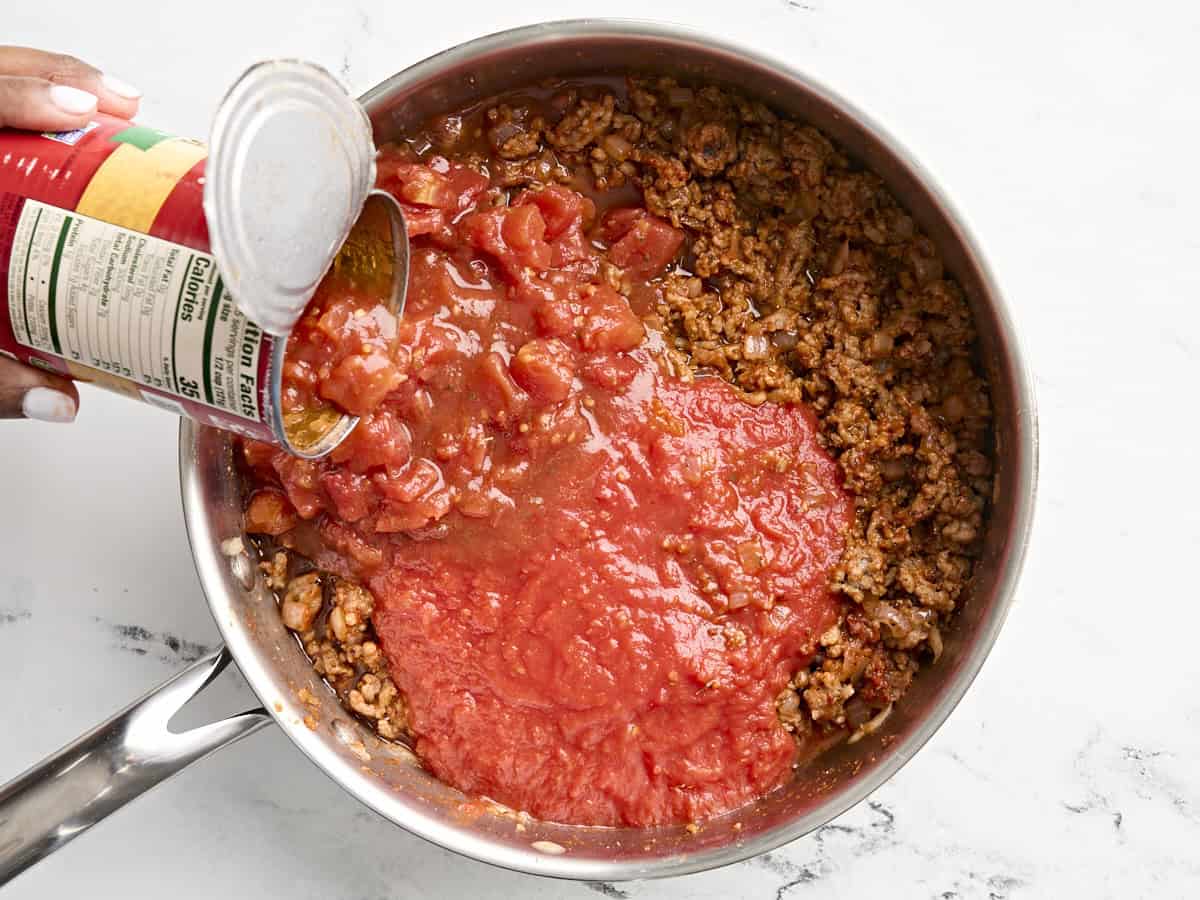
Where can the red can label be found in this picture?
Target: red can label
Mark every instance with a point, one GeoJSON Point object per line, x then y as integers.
{"type": "Point", "coordinates": [106, 275]}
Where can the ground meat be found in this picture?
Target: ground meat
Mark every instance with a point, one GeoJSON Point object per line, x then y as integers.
{"type": "Point", "coordinates": [585, 123]}
{"type": "Point", "coordinates": [332, 619]}
{"type": "Point", "coordinates": [539, 169]}
{"type": "Point", "coordinates": [803, 282]}
{"type": "Point", "coordinates": [512, 132]}
{"type": "Point", "coordinates": [301, 602]}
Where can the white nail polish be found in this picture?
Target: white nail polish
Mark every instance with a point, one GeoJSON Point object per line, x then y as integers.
{"type": "Point", "coordinates": [48, 405]}
{"type": "Point", "coordinates": [72, 100]}
{"type": "Point", "coordinates": [121, 88]}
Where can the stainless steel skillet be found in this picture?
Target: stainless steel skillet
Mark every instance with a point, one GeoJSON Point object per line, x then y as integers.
{"type": "Point", "coordinates": [135, 750]}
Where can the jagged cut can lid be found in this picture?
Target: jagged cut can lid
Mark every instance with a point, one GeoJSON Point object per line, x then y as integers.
{"type": "Point", "coordinates": [291, 161]}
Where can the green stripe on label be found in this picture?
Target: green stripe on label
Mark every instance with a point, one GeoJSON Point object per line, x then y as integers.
{"type": "Point", "coordinates": [62, 241]}
{"type": "Point", "coordinates": [208, 333]}
{"type": "Point", "coordinates": [25, 275]}
{"type": "Point", "coordinates": [175, 320]}
{"type": "Point", "coordinates": [141, 136]}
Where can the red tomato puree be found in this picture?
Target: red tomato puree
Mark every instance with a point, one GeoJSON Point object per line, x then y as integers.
{"type": "Point", "coordinates": [592, 577]}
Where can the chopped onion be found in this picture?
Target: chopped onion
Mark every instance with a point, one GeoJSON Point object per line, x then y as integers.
{"type": "Point", "coordinates": [872, 726]}
{"type": "Point", "coordinates": [881, 344]}
{"type": "Point", "coordinates": [935, 642]}
{"type": "Point", "coordinates": [755, 346]}
{"type": "Point", "coordinates": [617, 148]}
{"type": "Point", "coordinates": [785, 340]}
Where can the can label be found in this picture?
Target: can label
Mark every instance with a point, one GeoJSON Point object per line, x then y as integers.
{"type": "Point", "coordinates": [107, 275]}
{"type": "Point", "coordinates": [133, 306]}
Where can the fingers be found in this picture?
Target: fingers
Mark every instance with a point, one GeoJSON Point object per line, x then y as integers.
{"type": "Point", "coordinates": [37, 105]}
{"type": "Point", "coordinates": [29, 393]}
{"type": "Point", "coordinates": [112, 95]}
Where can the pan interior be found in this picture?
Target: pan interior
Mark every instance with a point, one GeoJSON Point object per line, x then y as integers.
{"type": "Point", "coordinates": [387, 777]}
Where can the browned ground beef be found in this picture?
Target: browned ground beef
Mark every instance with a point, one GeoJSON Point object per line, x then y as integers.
{"type": "Point", "coordinates": [332, 619]}
{"type": "Point", "coordinates": [804, 282]}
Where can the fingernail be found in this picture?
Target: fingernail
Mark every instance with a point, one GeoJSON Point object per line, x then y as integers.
{"type": "Point", "coordinates": [71, 100]}
{"type": "Point", "coordinates": [48, 405]}
{"type": "Point", "coordinates": [121, 88]}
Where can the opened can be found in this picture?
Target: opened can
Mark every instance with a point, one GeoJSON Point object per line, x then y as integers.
{"type": "Point", "coordinates": [134, 260]}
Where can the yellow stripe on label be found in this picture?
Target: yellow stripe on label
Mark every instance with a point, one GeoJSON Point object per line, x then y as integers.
{"type": "Point", "coordinates": [103, 379]}
{"type": "Point", "coordinates": [131, 186]}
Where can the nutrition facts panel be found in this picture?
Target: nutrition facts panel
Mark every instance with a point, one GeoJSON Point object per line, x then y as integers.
{"type": "Point", "coordinates": [131, 305]}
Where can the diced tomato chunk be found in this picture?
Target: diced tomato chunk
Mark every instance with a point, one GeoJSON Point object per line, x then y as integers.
{"type": "Point", "coordinates": [359, 383]}
{"type": "Point", "coordinates": [352, 495]}
{"type": "Point", "coordinates": [534, 288]}
{"type": "Point", "coordinates": [639, 242]}
{"type": "Point", "coordinates": [269, 512]}
{"type": "Point", "coordinates": [406, 483]}
{"type": "Point", "coordinates": [396, 517]}
{"type": "Point", "coordinates": [573, 251]}
{"type": "Point", "coordinates": [560, 207]}
{"type": "Point", "coordinates": [378, 441]}
{"type": "Point", "coordinates": [555, 318]}
{"type": "Point", "coordinates": [454, 188]}
{"type": "Point", "coordinates": [424, 187]}
{"type": "Point", "coordinates": [409, 517]}
{"type": "Point", "coordinates": [259, 456]}
{"type": "Point", "coordinates": [609, 371]}
{"type": "Point", "coordinates": [342, 351]}
{"type": "Point", "coordinates": [467, 184]}
{"type": "Point", "coordinates": [545, 369]}
{"type": "Point", "coordinates": [610, 324]}
{"type": "Point", "coordinates": [300, 478]}
{"type": "Point", "coordinates": [483, 231]}
{"type": "Point", "coordinates": [432, 194]}
{"type": "Point", "coordinates": [567, 214]}
{"type": "Point", "coordinates": [413, 497]}
{"type": "Point", "coordinates": [531, 289]}
{"type": "Point", "coordinates": [513, 236]}
{"type": "Point", "coordinates": [347, 542]}
{"type": "Point", "coordinates": [420, 190]}
{"type": "Point", "coordinates": [434, 346]}
{"type": "Point", "coordinates": [617, 223]}
{"type": "Point", "coordinates": [523, 228]}
{"type": "Point", "coordinates": [423, 221]}
{"type": "Point", "coordinates": [497, 389]}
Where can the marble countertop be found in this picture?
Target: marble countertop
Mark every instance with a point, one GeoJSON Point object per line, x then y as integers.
{"type": "Point", "coordinates": [1066, 132]}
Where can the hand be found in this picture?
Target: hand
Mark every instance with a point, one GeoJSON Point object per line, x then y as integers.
{"type": "Point", "coordinates": [42, 91]}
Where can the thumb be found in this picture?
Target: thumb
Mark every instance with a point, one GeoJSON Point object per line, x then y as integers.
{"type": "Point", "coordinates": [29, 393]}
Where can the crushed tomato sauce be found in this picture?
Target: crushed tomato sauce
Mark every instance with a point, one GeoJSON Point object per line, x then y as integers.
{"type": "Point", "coordinates": [592, 577]}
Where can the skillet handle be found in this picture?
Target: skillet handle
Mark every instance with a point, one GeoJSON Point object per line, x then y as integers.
{"type": "Point", "coordinates": [117, 761]}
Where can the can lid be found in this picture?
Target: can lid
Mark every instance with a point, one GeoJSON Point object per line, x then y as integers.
{"type": "Point", "coordinates": [290, 164]}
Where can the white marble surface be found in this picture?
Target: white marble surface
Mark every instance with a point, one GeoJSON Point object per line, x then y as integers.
{"type": "Point", "coordinates": [1067, 132]}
